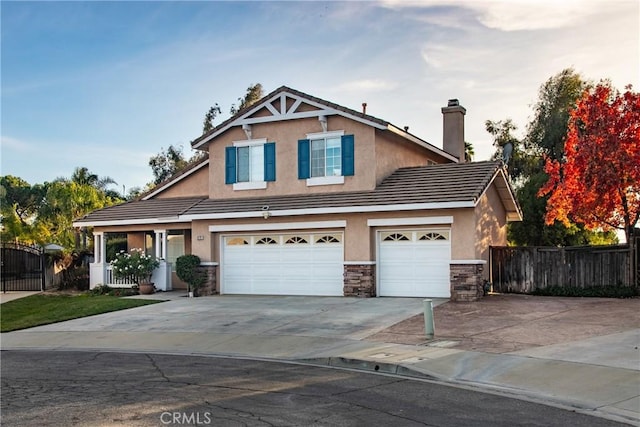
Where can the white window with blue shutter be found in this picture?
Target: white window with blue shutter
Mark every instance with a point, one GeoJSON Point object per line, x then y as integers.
{"type": "Point", "coordinates": [249, 165]}
{"type": "Point", "coordinates": [326, 158]}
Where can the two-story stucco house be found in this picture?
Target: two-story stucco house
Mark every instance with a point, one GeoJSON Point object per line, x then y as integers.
{"type": "Point", "coordinates": [301, 196]}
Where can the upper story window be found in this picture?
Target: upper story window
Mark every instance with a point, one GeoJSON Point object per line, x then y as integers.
{"type": "Point", "coordinates": [250, 164]}
{"type": "Point", "coordinates": [326, 158]}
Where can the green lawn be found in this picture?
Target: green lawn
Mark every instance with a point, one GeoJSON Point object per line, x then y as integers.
{"type": "Point", "coordinates": [44, 309]}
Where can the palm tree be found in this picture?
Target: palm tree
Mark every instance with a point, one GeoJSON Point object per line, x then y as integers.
{"type": "Point", "coordinates": [81, 175]}
{"type": "Point", "coordinates": [468, 152]}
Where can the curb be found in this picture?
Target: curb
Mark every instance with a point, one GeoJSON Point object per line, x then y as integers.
{"type": "Point", "coordinates": [505, 391]}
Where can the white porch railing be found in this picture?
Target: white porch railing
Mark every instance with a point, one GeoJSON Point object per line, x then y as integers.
{"type": "Point", "coordinates": [102, 274]}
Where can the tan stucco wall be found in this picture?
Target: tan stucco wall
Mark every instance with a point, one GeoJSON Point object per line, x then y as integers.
{"type": "Point", "coordinates": [382, 149]}
{"type": "Point", "coordinates": [359, 238]}
{"type": "Point", "coordinates": [472, 230]}
{"type": "Point", "coordinates": [194, 185]}
{"type": "Point", "coordinates": [393, 152]}
{"type": "Point", "coordinates": [286, 135]}
{"type": "Point", "coordinates": [491, 223]}
{"type": "Point", "coordinates": [135, 240]}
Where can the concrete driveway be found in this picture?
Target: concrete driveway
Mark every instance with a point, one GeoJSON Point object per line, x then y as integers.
{"type": "Point", "coordinates": [328, 317]}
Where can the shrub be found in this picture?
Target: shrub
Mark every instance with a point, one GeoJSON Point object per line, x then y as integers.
{"type": "Point", "coordinates": [594, 291]}
{"type": "Point", "coordinates": [115, 244]}
{"type": "Point", "coordinates": [135, 266]}
{"type": "Point", "coordinates": [187, 269]}
{"type": "Point", "coordinates": [114, 292]}
{"type": "Point", "coordinates": [100, 290]}
{"type": "Point", "coordinates": [75, 278]}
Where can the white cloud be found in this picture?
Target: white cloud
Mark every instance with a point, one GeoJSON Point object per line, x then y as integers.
{"type": "Point", "coordinates": [514, 15]}
{"type": "Point", "coordinates": [532, 15]}
{"type": "Point", "coordinates": [7, 142]}
{"type": "Point", "coordinates": [367, 85]}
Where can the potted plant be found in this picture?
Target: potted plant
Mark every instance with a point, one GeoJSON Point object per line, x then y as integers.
{"type": "Point", "coordinates": [187, 269]}
{"type": "Point", "coordinates": [137, 267]}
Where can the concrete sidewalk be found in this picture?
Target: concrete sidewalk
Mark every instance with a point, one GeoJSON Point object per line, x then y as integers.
{"type": "Point", "coordinates": [598, 374]}
{"type": "Point", "coordinates": [11, 295]}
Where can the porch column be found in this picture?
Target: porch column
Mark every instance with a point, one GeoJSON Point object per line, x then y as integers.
{"type": "Point", "coordinates": [162, 275]}
{"type": "Point", "coordinates": [161, 244]}
{"type": "Point", "coordinates": [97, 269]}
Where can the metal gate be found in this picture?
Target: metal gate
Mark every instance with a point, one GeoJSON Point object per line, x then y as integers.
{"type": "Point", "coordinates": [22, 267]}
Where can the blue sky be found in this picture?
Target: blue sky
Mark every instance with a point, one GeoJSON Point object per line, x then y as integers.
{"type": "Point", "coordinates": [106, 85]}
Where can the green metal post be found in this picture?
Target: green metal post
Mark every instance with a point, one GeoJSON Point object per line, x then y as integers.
{"type": "Point", "coordinates": [429, 327]}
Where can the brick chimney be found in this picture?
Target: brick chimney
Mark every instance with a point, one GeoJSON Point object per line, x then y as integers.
{"type": "Point", "coordinates": [453, 129]}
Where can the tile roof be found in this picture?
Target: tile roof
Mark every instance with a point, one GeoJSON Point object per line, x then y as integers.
{"type": "Point", "coordinates": [143, 210]}
{"type": "Point", "coordinates": [341, 110]}
{"type": "Point", "coordinates": [285, 89]}
{"type": "Point", "coordinates": [441, 184]}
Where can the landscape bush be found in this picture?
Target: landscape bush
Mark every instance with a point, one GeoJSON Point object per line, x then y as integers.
{"type": "Point", "coordinates": [114, 292]}
{"type": "Point", "coordinates": [616, 291]}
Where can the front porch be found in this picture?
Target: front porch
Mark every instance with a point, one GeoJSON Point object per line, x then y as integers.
{"type": "Point", "coordinates": [101, 273]}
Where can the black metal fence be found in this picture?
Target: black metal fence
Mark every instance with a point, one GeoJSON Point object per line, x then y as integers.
{"type": "Point", "coordinates": [22, 267]}
{"type": "Point", "coordinates": [525, 269]}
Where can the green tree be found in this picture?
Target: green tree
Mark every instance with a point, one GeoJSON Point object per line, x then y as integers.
{"type": "Point", "coordinates": [254, 94]}
{"type": "Point", "coordinates": [64, 202]}
{"type": "Point", "coordinates": [81, 175]}
{"type": "Point", "coordinates": [556, 98]}
{"type": "Point", "coordinates": [518, 163]}
{"type": "Point", "coordinates": [469, 152]}
{"type": "Point", "coordinates": [209, 118]}
{"type": "Point", "coordinates": [20, 202]}
{"type": "Point", "coordinates": [166, 163]}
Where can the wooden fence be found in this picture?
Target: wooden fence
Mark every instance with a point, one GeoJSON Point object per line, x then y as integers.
{"type": "Point", "coordinates": [525, 269]}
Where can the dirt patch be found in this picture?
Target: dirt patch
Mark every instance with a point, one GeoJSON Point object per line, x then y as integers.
{"type": "Point", "coordinates": [503, 323]}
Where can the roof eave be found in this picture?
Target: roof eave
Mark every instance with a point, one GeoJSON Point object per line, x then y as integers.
{"type": "Point", "coordinates": [282, 213]}
{"type": "Point", "coordinates": [506, 194]}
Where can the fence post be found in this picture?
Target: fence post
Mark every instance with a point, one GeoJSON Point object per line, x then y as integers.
{"type": "Point", "coordinates": [42, 271]}
{"type": "Point", "coordinates": [491, 268]}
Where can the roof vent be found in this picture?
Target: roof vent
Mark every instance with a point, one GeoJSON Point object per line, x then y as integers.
{"type": "Point", "coordinates": [453, 103]}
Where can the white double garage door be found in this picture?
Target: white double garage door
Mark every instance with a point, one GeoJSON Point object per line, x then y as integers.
{"type": "Point", "coordinates": [412, 263]}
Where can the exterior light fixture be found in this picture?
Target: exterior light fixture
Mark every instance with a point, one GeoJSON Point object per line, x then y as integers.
{"type": "Point", "coordinates": [265, 212]}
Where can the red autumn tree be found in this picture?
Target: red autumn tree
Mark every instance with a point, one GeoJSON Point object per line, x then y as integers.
{"type": "Point", "coordinates": [597, 183]}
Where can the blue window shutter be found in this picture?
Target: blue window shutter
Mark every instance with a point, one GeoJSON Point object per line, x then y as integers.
{"type": "Point", "coordinates": [348, 161]}
{"type": "Point", "coordinates": [230, 165]}
{"type": "Point", "coordinates": [304, 152]}
{"type": "Point", "coordinates": [270, 161]}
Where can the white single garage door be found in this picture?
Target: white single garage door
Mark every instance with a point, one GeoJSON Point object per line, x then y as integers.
{"type": "Point", "coordinates": [414, 263]}
{"type": "Point", "coordinates": [283, 264]}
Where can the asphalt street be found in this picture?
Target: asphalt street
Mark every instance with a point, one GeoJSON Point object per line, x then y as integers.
{"type": "Point", "coordinates": [90, 388]}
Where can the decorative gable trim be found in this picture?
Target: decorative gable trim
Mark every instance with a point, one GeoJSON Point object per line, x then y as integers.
{"type": "Point", "coordinates": [301, 107]}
